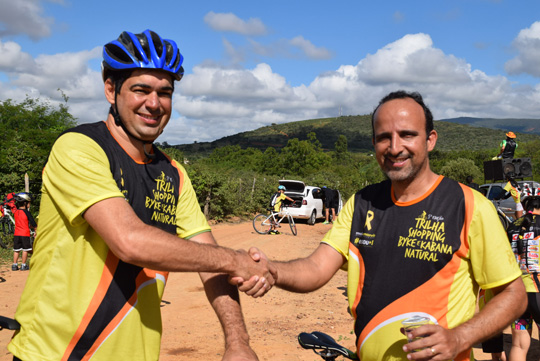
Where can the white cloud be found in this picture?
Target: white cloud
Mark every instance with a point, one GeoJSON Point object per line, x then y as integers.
{"type": "Point", "coordinates": [213, 82]}
{"type": "Point", "coordinates": [412, 59]}
{"type": "Point", "coordinates": [215, 101]}
{"type": "Point", "coordinates": [228, 22]}
{"type": "Point", "coordinates": [24, 17]}
{"type": "Point", "coordinates": [66, 71]}
{"type": "Point", "coordinates": [527, 44]}
{"type": "Point", "coordinates": [310, 50]}
{"type": "Point", "coordinates": [13, 59]}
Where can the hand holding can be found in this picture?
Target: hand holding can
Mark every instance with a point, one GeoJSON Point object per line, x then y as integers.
{"type": "Point", "coordinates": [412, 323]}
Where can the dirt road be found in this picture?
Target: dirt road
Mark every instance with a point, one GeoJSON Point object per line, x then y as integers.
{"type": "Point", "coordinates": [191, 330]}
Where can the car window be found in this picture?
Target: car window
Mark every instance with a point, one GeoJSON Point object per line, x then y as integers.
{"type": "Point", "coordinates": [483, 190]}
{"type": "Point", "coordinates": [317, 194]}
{"type": "Point", "coordinates": [496, 192]}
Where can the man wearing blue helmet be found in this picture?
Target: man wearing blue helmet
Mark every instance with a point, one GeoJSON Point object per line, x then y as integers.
{"type": "Point", "coordinates": [116, 216]}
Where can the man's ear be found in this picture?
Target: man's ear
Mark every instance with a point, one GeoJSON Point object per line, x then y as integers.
{"type": "Point", "coordinates": [432, 140]}
{"type": "Point", "coordinates": [110, 90]}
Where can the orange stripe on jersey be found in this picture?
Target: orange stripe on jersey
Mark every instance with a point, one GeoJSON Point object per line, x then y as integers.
{"type": "Point", "coordinates": [424, 196]}
{"type": "Point", "coordinates": [106, 278]}
{"type": "Point", "coordinates": [469, 210]}
{"type": "Point", "coordinates": [180, 174]}
{"type": "Point", "coordinates": [361, 278]}
{"type": "Point", "coordinates": [117, 320]}
{"type": "Point", "coordinates": [432, 294]}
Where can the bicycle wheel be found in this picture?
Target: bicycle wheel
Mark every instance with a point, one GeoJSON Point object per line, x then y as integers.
{"type": "Point", "coordinates": [262, 223]}
{"type": "Point", "coordinates": [293, 225]}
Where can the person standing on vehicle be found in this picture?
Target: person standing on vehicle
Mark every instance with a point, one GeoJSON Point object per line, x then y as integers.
{"type": "Point", "coordinates": [24, 223]}
{"type": "Point", "coordinates": [508, 146]}
{"type": "Point", "coordinates": [117, 215]}
{"type": "Point", "coordinates": [524, 234]}
{"type": "Point", "coordinates": [417, 243]}
{"type": "Point", "coordinates": [278, 200]}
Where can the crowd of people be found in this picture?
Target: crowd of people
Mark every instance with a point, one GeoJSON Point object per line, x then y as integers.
{"type": "Point", "coordinates": [117, 215]}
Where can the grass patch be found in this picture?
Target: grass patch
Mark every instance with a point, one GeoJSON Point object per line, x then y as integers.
{"type": "Point", "coordinates": [6, 254]}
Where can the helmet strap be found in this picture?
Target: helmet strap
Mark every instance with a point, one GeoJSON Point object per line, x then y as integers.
{"type": "Point", "coordinates": [118, 121]}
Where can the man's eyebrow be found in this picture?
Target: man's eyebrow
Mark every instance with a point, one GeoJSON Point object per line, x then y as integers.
{"type": "Point", "coordinates": [400, 132]}
{"type": "Point", "coordinates": [146, 86]}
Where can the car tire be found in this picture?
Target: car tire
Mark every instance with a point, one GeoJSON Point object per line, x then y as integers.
{"type": "Point", "coordinates": [313, 218]}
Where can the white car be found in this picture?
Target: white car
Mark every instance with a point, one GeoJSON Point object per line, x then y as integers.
{"type": "Point", "coordinates": [309, 204]}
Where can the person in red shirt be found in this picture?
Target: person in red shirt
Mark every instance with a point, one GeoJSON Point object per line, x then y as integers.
{"type": "Point", "coordinates": [24, 222]}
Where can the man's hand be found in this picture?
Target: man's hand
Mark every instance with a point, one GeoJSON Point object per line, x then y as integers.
{"type": "Point", "coordinates": [256, 286]}
{"type": "Point", "coordinates": [436, 343]}
{"type": "Point", "coordinates": [255, 275]}
{"type": "Point", "coordinates": [239, 352]}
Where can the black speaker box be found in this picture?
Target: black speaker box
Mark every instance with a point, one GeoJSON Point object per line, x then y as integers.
{"type": "Point", "coordinates": [493, 170]}
{"type": "Point", "coordinates": [500, 168]}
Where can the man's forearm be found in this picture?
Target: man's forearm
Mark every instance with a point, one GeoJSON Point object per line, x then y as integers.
{"type": "Point", "coordinates": [225, 301]}
{"type": "Point", "coordinates": [508, 304]}
{"type": "Point", "coordinates": [310, 273]}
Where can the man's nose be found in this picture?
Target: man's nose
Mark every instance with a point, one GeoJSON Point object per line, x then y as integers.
{"type": "Point", "coordinates": [396, 145]}
{"type": "Point", "coordinates": [152, 101]}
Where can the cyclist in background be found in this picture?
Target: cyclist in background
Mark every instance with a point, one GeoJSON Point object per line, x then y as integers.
{"type": "Point", "coordinates": [278, 200]}
{"type": "Point", "coordinates": [24, 222]}
{"type": "Point", "coordinates": [524, 234]}
{"type": "Point", "coordinates": [513, 190]}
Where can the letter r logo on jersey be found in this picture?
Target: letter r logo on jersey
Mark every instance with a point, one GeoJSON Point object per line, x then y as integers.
{"type": "Point", "coordinates": [369, 218]}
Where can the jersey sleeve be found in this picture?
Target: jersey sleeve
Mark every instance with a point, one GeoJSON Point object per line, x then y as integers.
{"type": "Point", "coordinates": [190, 220]}
{"type": "Point", "coordinates": [339, 235]}
{"type": "Point", "coordinates": [77, 175]}
{"type": "Point", "coordinates": [492, 259]}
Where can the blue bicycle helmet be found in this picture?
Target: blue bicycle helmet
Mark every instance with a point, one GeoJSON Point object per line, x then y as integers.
{"type": "Point", "coordinates": [146, 50]}
{"type": "Point", "coordinates": [281, 187]}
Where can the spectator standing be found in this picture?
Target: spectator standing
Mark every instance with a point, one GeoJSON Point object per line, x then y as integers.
{"type": "Point", "coordinates": [24, 224]}
{"type": "Point", "coordinates": [472, 184]}
{"type": "Point", "coordinates": [328, 197]}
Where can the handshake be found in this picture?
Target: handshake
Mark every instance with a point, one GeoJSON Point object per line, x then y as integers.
{"type": "Point", "coordinates": [254, 273]}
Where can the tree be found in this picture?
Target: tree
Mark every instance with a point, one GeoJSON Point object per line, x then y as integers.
{"type": "Point", "coordinates": [459, 169]}
{"type": "Point", "coordinates": [302, 157]}
{"type": "Point", "coordinates": [27, 132]}
{"type": "Point", "coordinates": [341, 153]}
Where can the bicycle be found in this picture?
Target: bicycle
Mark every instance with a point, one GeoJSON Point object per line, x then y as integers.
{"type": "Point", "coordinates": [263, 223]}
{"type": "Point", "coordinates": [505, 220]}
{"type": "Point", "coordinates": [325, 346]}
{"type": "Point", "coordinates": [7, 224]}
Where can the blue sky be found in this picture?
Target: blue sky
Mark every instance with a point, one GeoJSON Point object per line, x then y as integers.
{"type": "Point", "coordinates": [250, 64]}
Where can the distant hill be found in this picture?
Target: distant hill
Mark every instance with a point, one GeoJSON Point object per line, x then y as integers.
{"type": "Point", "coordinates": [530, 126]}
{"type": "Point", "coordinates": [454, 134]}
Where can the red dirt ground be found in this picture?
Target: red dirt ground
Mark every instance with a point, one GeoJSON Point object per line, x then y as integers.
{"type": "Point", "coordinates": [191, 330]}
